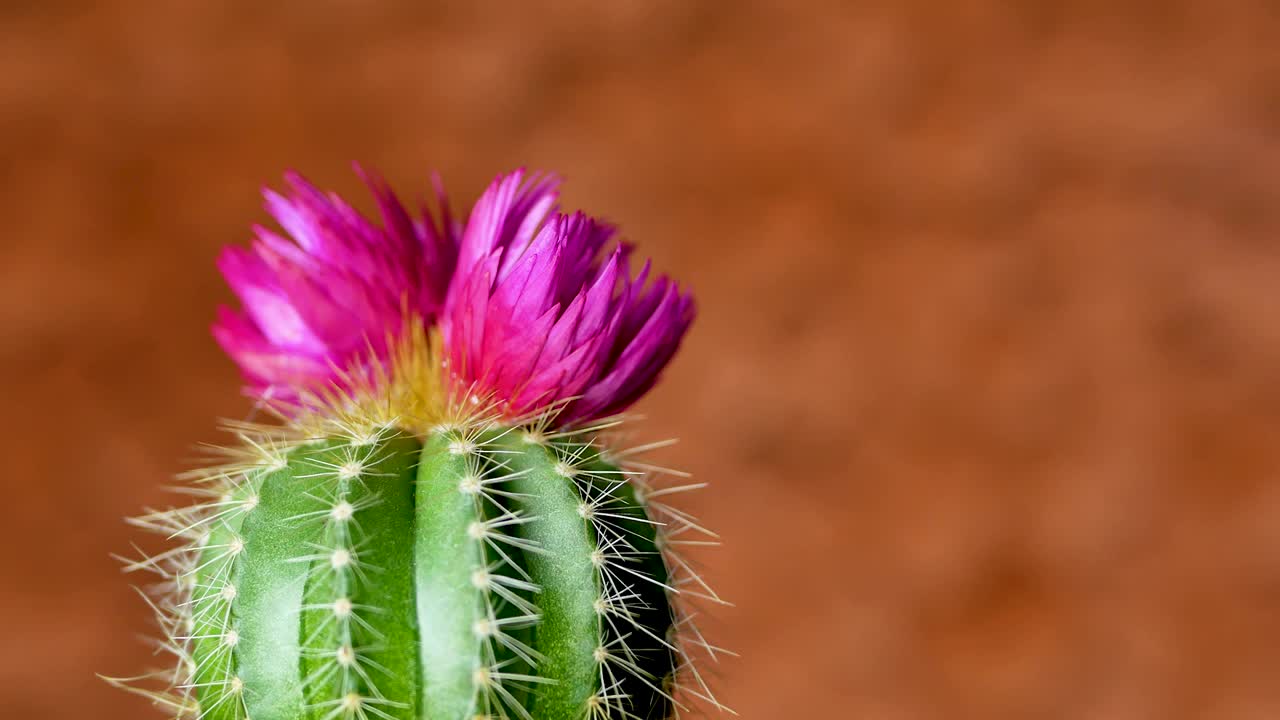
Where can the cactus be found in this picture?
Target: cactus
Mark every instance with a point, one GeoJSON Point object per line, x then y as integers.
{"type": "Point", "coordinates": [422, 536]}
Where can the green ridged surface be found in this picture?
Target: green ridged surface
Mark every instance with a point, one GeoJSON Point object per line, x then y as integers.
{"type": "Point", "coordinates": [268, 607]}
{"type": "Point", "coordinates": [568, 633]}
{"type": "Point", "coordinates": [479, 564]}
{"type": "Point", "coordinates": [448, 601]}
{"type": "Point", "coordinates": [370, 649]}
{"type": "Point", "coordinates": [214, 611]}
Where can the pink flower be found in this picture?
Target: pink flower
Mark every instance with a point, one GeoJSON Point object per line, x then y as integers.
{"type": "Point", "coordinates": [318, 302]}
{"type": "Point", "coordinates": [543, 309]}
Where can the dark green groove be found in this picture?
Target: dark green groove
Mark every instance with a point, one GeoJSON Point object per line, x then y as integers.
{"type": "Point", "coordinates": [651, 610]}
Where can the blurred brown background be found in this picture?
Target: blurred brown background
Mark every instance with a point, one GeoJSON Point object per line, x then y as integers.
{"type": "Point", "coordinates": [987, 376]}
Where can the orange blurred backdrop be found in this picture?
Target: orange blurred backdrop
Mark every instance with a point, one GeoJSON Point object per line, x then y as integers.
{"type": "Point", "coordinates": [986, 378]}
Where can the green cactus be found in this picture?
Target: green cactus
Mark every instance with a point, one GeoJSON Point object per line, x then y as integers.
{"type": "Point", "coordinates": [437, 524]}
{"type": "Point", "coordinates": [471, 570]}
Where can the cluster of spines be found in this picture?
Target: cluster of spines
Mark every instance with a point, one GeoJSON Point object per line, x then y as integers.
{"type": "Point", "coordinates": [214, 583]}
{"type": "Point", "coordinates": [340, 642]}
{"type": "Point", "coordinates": [688, 589]}
{"type": "Point", "coordinates": [505, 607]}
{"type": "Point", "coordinates": [195, 614]}
{"type": "Point", "coordinates": [637, 536]}
{"type": "Point", "coordinates": [622, 581]}
{"type": "Point", "coordinates": [199, 620]}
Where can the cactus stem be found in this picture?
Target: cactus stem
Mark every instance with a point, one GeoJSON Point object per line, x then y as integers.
{"type": "Point", "coordinates": [284, 548]}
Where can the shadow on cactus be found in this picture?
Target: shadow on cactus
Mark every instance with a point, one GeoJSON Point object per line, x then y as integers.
{"type": "Point", "coordinates": [440, 522]}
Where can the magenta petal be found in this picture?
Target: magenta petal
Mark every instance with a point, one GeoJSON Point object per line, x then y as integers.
{"type": "Point", "coordinates": [505, 215]}
{"type": "Point", "coordinates": [541, 318]}
{"type": "Point", "coordinates": [514, 357]}
{"type": "Point", "coordinates": [475, 310]}
{"type": "Point", "coordinates": [643, 358]}
{"type": "Point", "coordinates": [236, 333]}
{"type": "Point", "coordinates": [318, 300]}
{"type": "Point", "coordinates": [598, 299]}
{"type": "Point", "coordinates": [560, 338]}
{"type": "Point", "coordinates": [258, 357]}
{"type": "Point", "coordinates": [264, 301]}
{"type": "Point", "coordinates": [553, 381]}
